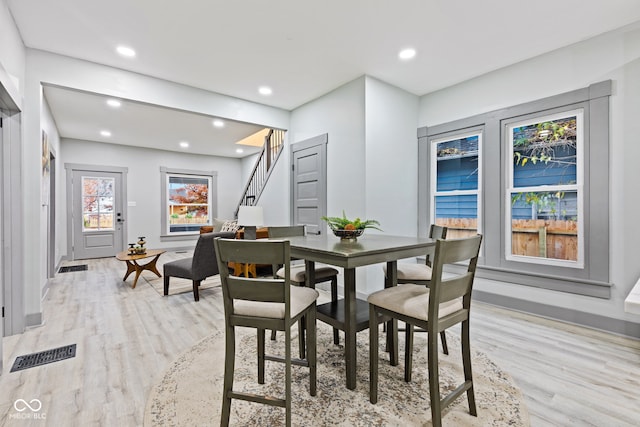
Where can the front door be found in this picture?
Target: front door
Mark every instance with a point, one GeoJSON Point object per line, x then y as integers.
{"type": "Point", "coordinates": [309, 183]}
{"type": "Point", "coordinates": [97, 213]}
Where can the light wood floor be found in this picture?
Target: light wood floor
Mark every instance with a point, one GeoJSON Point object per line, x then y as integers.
{"type": "Point", "coordinates": [570, 376]}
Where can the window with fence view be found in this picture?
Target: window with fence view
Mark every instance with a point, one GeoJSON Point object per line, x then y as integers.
{"type": "Point", "coordinates": [188, 202]}
{"type": "Point", "coordinates": [544, 189]}
{"type": "Point", "coordinates": [455, 184]}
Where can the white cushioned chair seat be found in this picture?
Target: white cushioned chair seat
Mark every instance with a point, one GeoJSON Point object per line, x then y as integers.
{"type": "Point", "coordinates": [411, 300]}
{"type": "Point", "coordinates": [301, 298]}
{"type": "Point", "coordinates": [408, 271]}
{"type": "Point", "coordinates": [299, 274]}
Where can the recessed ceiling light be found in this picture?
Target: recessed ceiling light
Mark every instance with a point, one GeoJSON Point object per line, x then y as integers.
{"type": "Point", "coordinates": [126, 51]}
{"type": "Point", "coordinates": [239, 150]}
{"type": "Point", "coordinates": [218, 123]}
{"type": "Point", "coordinates": [406, 54]}
{"type": "Point", "coordinates": [265, 90]}
{"type": "Point", "coordinates": [105, 133]}
{"type": "Point", "coordinates": [114, 103]}
{"type": "Point", "coordinates": [184, 144]}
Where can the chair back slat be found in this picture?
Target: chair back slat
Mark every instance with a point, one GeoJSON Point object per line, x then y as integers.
{"type": "Point", "coordinates": [458, 250]}
{"type": "Point", "coordinates": [264, 289]}
{"type": "Point", "coordinates": [446, 289]}
{"type": "Point", "coordinates": [256, 289]}
{"type": "Point", "coordinates": [253, 251]}
{"type": "Point", "coordinates": [286, 231]}
{"type": "Point", "coordinates": [456, 287]}
{"type": "Point", "coordinates": [438, 232]}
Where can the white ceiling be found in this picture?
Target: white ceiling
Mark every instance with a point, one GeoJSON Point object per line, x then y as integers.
{"type": "Point", "coordinates": [302, 49]}
{"type": "Point", "coordinates": [82, 115]}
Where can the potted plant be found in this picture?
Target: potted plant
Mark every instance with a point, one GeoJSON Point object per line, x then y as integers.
{"type": "Point", "coordinates": [348, 229]}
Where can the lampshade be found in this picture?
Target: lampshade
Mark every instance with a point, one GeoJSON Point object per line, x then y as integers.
{"type": "Point", "coordinates": [250, 216]}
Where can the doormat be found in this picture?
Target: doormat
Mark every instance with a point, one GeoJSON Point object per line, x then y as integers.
{"type": "Point", "coordinates": [72, 268]}
{"type": "Point", "coordinates": [43, 357]}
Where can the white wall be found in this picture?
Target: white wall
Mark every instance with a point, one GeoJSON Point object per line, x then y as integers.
{"type": "Point", "coordinates": [12, 54]}
{"type": "Point", "coordinates": [12, 75]}
{"type": "Point", "coordinates": [341, 115]}
{"type": "Point", "coordinates": [53, 137]}
{"type": "Point", "coordinates": [391, 158]}
{"type": "Point", "coordinates": [371, 157]}
{"type": "Point", "coordinates": [144, 185]}
{"type": "Point", "coordinates": [614, 56]}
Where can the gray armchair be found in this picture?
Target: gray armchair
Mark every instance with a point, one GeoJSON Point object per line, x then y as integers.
{"type": "Point", "coordinates": [203, 264]}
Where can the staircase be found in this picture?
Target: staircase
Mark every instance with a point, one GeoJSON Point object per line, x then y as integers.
{"type": "Point", "coordinates": [273, 144]}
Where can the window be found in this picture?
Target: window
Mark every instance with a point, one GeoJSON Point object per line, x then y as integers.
{"type": "Point", "coordinates": [455, 195]}
{"type": "Point", "coordinates": [97, 203]}
{"type": "Point", "coordinates": [539, 189]}
{"type": "Point", "coordinates": [544, 190]}
{"type": "Point", "coordinates": [187, 201]}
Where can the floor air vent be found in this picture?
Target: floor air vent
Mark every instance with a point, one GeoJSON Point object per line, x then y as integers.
{"type": "Point", "coordinates": [72, 268]}
{"type": "Point", "coordinates": [43, 357]}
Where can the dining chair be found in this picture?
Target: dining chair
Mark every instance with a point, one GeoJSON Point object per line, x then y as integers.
{"type": "Point", "coordinates": [197, 268]}
{"type": "Point", "coordinates": [299, 274]}
{"type": "Point", "coordinates": [442, 304]}
{"type": "Point", "coordinates": [420, 274]}
{"type": "Point", "coordinates": [264, 303]}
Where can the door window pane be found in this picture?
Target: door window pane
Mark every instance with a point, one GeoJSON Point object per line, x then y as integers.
{"type": "Point", "coordinates": [97, 203]}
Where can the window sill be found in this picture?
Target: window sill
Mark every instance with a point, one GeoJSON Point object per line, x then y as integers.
{"type": "Point", "coordinates": [176, 238]}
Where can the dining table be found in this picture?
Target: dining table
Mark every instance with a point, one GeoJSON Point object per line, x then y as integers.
{"type": "Point", "coordinates": [351, 314]}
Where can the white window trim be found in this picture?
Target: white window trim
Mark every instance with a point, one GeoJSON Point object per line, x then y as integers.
{"type": "Point", "coordinates": [165, 172]}
{"type": "Point", "coordinates": [434, 178]}
{"type": "Point", "coordinates": [167, 224]}
{"type": "Point", "coordinates": [579, 187]}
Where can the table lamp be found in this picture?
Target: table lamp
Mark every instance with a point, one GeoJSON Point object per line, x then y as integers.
{"type": "Point", "coordinates": [250, 217]}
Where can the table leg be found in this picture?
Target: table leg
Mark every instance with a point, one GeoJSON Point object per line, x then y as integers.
{"type": "Point", "coordinates": [392, 325]}
{"type": "Point", "coordinates": [310, 282]}
{"type": "Point", "coordinates": [139, 270]}
{"type": "Point", "coordinates": [151, 266]}
{"type": "Point", "coordinates": [350, 326]}
{"type": "Point", "coordinates": [134, 266]}
{"type": "Point", "coordinates": [131, 267]}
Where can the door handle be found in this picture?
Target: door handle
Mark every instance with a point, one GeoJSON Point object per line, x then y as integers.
{"type": "Point", "coordinates": [120, 220]}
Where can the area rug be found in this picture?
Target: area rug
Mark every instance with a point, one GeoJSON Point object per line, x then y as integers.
{"type": "Point", "coordinates": [178, 285]}
{"type": "Point", "coordinates": [189, 392]}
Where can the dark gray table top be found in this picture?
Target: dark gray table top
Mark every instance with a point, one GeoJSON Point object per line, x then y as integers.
{"type": "Point", "coordinates": [368, 249]}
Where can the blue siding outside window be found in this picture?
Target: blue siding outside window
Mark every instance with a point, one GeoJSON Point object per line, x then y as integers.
{"type": "Point", "coordinates": [461, 206]}
{"type": "Point", "coordinates": [456, 171]}
{"type": "Point", "coordinates": [458, 174]}
{"type": "Point", "coordinates": [559, 171]}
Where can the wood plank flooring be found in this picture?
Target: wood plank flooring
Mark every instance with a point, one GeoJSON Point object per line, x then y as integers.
{"type": "Point", "coordinates": [570, 376]}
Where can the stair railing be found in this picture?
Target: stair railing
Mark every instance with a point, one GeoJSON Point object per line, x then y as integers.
{"type": "Point", "coordinates": [273, 144]}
